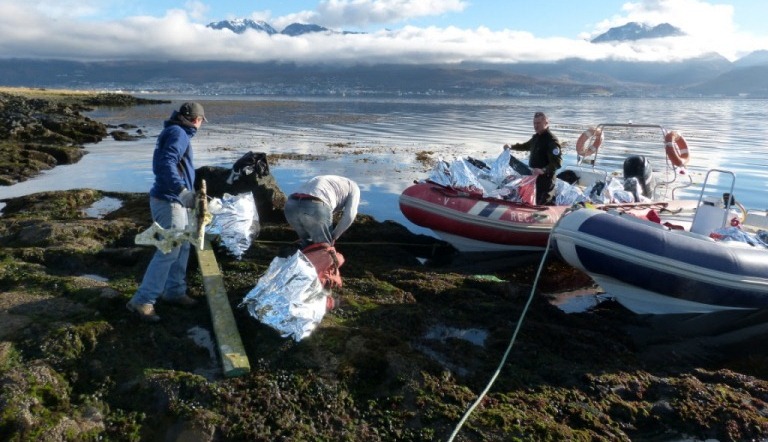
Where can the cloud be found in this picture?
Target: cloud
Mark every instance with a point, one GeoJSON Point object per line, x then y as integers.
{"type": "Point", "coordinates": [179, 35]}
{"type": "Point", "coordinates": [709, 28]}
{"type": "Point", "coordinates": [196, 9]}
{"type": "Point", "coordinates": [363, 13]}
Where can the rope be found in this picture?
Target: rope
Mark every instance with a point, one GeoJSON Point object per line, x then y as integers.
{"type": "Point", "coordinates": [346, 243]}
{"type": "Point", "coordinates": [509, 347]}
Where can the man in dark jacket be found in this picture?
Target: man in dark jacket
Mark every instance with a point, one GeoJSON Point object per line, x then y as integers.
{"type": "Point", "coordinates": [170, 197]}
{"type": "Point", "coordinates": [545, 158]}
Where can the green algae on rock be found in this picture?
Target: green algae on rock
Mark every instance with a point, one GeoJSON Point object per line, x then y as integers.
{"type": "Point", "coordinates": [80, 366]}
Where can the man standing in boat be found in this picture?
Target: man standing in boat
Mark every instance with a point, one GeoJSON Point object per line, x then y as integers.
{"type": "Point", "coordinates": [544, 160]}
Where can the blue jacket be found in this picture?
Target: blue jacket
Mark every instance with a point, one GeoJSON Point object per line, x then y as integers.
{"type": "Point", "coordinates": [172, 160]}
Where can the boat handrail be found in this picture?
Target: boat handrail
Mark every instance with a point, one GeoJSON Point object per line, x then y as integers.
{"type": "Point", "coordinates": [728, 199]}
{"type": "Point", "coordinates": [665, 183]}
{"type": "Point", "coordinates": [600, 127]}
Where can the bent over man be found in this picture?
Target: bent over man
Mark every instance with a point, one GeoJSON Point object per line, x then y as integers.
{"type": "Point", "coordinates": [310, 209]}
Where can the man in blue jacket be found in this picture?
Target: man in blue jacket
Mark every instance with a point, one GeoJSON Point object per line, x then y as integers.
{"type": "Point", "coordinates": [170, 197]}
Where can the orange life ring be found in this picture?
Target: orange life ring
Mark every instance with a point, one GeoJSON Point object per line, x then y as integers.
{"type": "Point", "coordinates": [677, 148]}
{"type": "Point", "coordinates": [595, 135]}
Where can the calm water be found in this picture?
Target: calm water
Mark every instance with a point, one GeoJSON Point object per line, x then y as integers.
{"type": "Point", "coordinates": [375, 141]}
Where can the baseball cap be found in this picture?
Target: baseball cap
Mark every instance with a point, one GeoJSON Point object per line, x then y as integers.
{"type": "Point", "coordinates": [191, 110]}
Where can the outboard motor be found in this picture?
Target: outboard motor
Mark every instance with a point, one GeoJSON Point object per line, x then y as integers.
{"type": "Point", "coordinates": [638, 167]}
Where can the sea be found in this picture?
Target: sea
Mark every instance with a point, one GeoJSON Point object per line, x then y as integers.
{"type": "Point", "coordinates": [387, 143]}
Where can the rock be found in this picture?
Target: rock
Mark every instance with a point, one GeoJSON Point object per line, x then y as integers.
{"type": "Point", "coordinates": [33, 131]}
{"type": "Point", "coordinates": [121, 135]}
{"type": "Point", "coordinates": [270, 200]}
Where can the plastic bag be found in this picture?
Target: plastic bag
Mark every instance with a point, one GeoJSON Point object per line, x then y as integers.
{"type": "Point", "coordinates": [464, 177]}
{"type": "Point", "coordinates": [568, 194]}
{"type": "Point", "coordinates": [735, 234]}
{"type": "Point", "coordinates": [526, 189]}
{"type": "Point", "coordinates": [289, 297]}
{"type": "Point", "coordinates": [235, 220]}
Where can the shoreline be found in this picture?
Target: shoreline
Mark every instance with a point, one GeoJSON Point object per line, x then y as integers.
{"type": "Point", "coordinates": [42, 128]}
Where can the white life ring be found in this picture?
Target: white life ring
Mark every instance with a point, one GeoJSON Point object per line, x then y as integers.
{"type": "Point", "coordinates": [583, 145]}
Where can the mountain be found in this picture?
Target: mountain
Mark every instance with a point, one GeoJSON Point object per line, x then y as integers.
{"type": "Point", "coordinates": [239, 26]}
{"type": "Point", "coordinates": [749, 81]}
{"type": "Point", "coordinates": [295, 29]}
{"type": "Point", "coordinates": [757, 58]}
{"type": "Point", "coordinates": [710, 75]}
{"type": "Point", "coordinates": [636, 31]}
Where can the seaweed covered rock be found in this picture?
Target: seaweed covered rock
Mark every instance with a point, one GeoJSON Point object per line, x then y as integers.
{"type": "Point", "coordinates": [39, 132]}
{"type": "Point", "coordinates": [408, 349]}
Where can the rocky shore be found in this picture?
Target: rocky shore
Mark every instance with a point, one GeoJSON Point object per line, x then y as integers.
{"type": "Point", "coordinates": [41, 129]}
{"type": "Point", "coordinates": [418, 334]}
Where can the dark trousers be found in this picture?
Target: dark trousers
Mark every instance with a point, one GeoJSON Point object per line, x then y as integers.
{"type": "Point", "coordinates": [545, 190]}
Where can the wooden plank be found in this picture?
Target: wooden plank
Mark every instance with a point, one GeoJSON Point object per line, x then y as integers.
{"type": "Point", "coordinates": [234, 361]}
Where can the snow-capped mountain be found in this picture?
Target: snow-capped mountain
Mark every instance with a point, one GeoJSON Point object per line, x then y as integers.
{"type": "Point", "coordinates": [240, 25]}
{"type": "Point", "coordinates": [637, 31]}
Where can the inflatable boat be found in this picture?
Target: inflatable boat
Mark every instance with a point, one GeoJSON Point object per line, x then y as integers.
{"type": "Point", "coordinates": [476, 220]}
{"type": "Point", "coordinates": [719, 263]}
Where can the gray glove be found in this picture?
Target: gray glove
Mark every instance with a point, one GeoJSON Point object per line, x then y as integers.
{"type": "Point", "coordinates": [187, 198]}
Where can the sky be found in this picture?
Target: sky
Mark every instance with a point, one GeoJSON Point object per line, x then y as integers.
{"type": "Point", "coordinates": [385, 31]}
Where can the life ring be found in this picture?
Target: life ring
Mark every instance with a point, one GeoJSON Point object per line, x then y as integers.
{"type": "Point", "coordinates": [677, 148]}
{"type": "Point", "coordinates": [593, 134]}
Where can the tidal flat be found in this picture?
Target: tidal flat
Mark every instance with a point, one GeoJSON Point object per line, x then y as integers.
{"type": "Point", "coordinates": [418, 333]}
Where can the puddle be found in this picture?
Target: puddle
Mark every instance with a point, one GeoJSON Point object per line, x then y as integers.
{"type": "Point", "coordinates": [202, 338]}
{"type": "Point", "coordinates": [578, 301]}
{"type": "Point", "coordinates": [475, 336]}
{"type": "Point", "coordinates": [95, 278]}
{"type": "Point", "coordinates": [103, 207]}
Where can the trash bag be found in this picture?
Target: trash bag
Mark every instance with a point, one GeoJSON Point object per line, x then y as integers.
{"type": "Point", "coordinates": [568, 194]}
{"type": "Point", "coordinates": [247, 164]}
{"type": "Point", "coordinates": [526, 189]}
{"type": "Point", "coordinates": [519, 190]}
{"type": "Point", "coordinates": [235, 221]}
{"type": "Point", "coordinates": [289, 297]}
{"type": "Point", "coordinates": [735, 234]}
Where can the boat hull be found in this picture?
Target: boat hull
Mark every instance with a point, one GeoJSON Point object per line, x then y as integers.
{"type": "Point", "coordinates": [479, 224]}
{"type": "Point", "coordinates": [653, 270]}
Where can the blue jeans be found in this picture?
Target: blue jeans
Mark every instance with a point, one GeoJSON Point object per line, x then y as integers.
{"type": "Point", "coordinates": [312, 221]}
{"type": "Point", "coordinates": [166, 273]}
